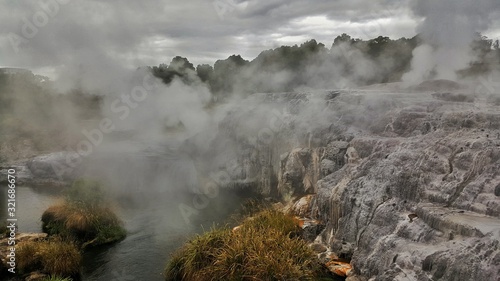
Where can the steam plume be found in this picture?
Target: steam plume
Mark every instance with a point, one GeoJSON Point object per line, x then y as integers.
{"type": "Point", "coordinates": [447, 30]}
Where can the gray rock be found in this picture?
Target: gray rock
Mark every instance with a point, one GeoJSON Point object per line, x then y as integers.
{"type": "Point", "coordinates": [58, 166]}
{"type": "Point", "coordinates": [328, 167]}
{"type": "Point", "coordinates": [371, 159]}
{"type": "Point", "coordinates": [318, 248]}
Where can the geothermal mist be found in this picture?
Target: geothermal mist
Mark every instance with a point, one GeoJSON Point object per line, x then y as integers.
{"type": "Point", "coordinates": [169, 139]}
{"type": "Point", "coordinates": [447, 31]}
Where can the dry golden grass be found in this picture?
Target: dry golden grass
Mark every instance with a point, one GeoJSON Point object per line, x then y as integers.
{"type": "Point", "coordinates": [60, 258]}
{"type": "Point", "coordinates": [77, 220]}
{"type": "Point", "coordinates": [84, 217]}
{"type": "Point", "coordinates": [55, 212]}
{"type": "Point", "coordinates": [266, 247]}
{"type": "Point", "coordinates": [28, 257]}
{"type": "Point", "coordinates": [90, 226]}
{"type": "Point", "coordinates": [55, 257]}
{"type": "Point", "coordinates": [273, 219]}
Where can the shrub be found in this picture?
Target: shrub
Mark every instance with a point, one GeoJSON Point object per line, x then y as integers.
{"type": "Point", "coordinates": [83, 217]}
{"type": "Point", "coordinates": [265, 247]}
{"type": "Point", "coordinates": [54, 256]}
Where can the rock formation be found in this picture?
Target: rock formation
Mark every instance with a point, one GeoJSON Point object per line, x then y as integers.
{"type": "Point", "coordinates": [407, 184]}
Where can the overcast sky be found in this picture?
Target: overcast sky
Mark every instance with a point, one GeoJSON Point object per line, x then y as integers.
{"type": "Point", "coordinates": [150, 32]}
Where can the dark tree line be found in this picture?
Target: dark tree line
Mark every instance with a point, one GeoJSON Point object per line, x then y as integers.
{"type": "Point", "coordinates": [288, 67]}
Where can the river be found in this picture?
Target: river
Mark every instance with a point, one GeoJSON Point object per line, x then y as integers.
{"type": "Point", "coordinates": [154, 224]}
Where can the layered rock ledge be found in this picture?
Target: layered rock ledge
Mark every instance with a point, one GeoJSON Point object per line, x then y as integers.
{"type": "Point", "coordinates": [406, 184]}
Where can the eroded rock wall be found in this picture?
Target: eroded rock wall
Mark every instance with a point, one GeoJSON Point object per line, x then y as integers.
{"type": "Point", "coordinates": [406, 184]}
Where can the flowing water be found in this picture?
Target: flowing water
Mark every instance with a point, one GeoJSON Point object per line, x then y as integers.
{"type": "Point", "coordinates": [155, 226]}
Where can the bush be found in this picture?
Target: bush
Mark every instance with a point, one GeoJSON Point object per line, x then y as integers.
{"type": "Point", "coordinates": [263, 248]}
{"type": "Point", "coordinates": [55, 257]}
{"type": "Point", "coordinates": [83, 217]}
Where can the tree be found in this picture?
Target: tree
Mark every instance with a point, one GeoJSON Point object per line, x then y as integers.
{"type": "Point", "coordinates": [344, 38]}
{"type": "Point", "coordinates": [178, 67]}
{"type": "Point", "coordinates": [377, 45]}
{"type": "Point", "coordinates": [226, 74]}
{"type": "Point", "coordinates": [205, 72]}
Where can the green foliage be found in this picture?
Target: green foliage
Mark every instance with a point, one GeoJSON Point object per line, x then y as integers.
{"type": "Point", "coordinates": [263, 248]}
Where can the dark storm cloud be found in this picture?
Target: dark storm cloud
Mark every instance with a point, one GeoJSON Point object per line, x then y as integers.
{"type": "Point", "coordinates": [134, 33]}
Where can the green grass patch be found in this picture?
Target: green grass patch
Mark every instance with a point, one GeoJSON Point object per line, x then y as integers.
{"type": "Point", "coordinates": [265, 247]}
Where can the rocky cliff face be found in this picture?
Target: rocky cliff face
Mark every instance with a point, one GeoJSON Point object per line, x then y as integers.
{"type": "Point", "coordinates": [407, 184]}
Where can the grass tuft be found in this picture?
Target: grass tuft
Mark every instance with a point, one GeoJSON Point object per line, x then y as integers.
{"type": "Point", "coordinates": [83, 217]}
{"type": "Point", "coordinates": [54, 256]}
{"type": "Point", "coordinates": [273, 219]}
{"type": "Point", "coordinates": [265, 247]}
